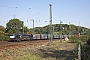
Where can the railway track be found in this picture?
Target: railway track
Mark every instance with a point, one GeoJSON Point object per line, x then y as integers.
{"type": "Point", "coordinates": [4, 45]}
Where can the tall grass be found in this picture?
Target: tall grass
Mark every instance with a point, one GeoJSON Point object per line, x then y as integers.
{"type": "Point", "coordinates": [29, 57]}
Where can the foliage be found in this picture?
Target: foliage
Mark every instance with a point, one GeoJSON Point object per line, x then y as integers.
{"type": "Point", "coordinates": [76, 58]}
{"type": "Point", "coordinates": [74, 39]}
{"type": "Point", "coordinates": [26, 30]}
{"type": "Point", "coordinates": [77, 39]}
{"type": "Point", "coordinates": [85, 50]}
{"type": "Point", "coordinates": [58, 33]}
{"type": "Point", "coordinates": [4, 38]}
{"type": "Point", "coordinates": [38, 30]}
{"type": "Point", "coordinates": [10, 32]}
{"type": "Point", "coordinates": [42, 30]}
{"type": "Point", "coordinates": [30, 31]}
{"type": "Point", "coordinates": [3, 35]}
{"type": "Point", "coordinates": [2, 30]}
{"type": "Point", "coordinates": [56, 51]}
{"type": "Point", "coordinates": [84, 38]}
{"type": "Point", "coordinates": [16, 26]}
{"type": "Point", "coordinates": [29, 57]}
{"type": "Point", "coordinates": [88, 41]}
{"type": "Point", "coordinates": [68, 29]}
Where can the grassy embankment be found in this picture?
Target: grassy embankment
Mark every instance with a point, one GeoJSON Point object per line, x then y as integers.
{"type": "Point", "coordinates": [54, 51]}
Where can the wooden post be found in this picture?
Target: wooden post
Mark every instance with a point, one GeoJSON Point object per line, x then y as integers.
{"type": "Point", "coordinates": [79, 52]}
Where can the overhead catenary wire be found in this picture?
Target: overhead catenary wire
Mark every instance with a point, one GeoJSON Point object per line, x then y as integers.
{"type": "Point", "coordinates": [40, 11]}
{"type": "Point", "coordinates": [27, 8]}
{"type": "Point", "coordinates": [27, 18]}
{"type": "Point", "coordinates": [14, 7]}
{"type": "Point", "coordinates": [22, 7]}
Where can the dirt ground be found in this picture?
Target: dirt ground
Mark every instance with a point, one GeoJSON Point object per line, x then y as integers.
{"type": "Point", "coordinates": [4, 45]}
{"type": "Point", "coordinates": [52, 51]}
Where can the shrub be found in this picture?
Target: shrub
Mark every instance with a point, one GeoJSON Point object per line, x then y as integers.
{"type": "Point", "coordinates": [74, 39]}
{"type": "Point", "coordinates": [84, 38]}
{"type": "Point", "coordinates": [85, 52]}
{"type": "Point", "coordinates": [88, 41]}
{"type": "Point", "coordinates": [4, 38]}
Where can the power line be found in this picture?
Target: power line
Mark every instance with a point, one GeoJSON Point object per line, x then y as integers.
{"type": "Point", "coordinates": [13, 7]}
{"type": "Point", "coordinates": [40, 11]}
{"type": "Point", "coordinates": [14, 15]}
{"type": "Point", "coordinates": [7, 7]}
{"type": "Point", "coordinates": [21, 7]}
{"type": "Point", "coordinates": [27, 8]}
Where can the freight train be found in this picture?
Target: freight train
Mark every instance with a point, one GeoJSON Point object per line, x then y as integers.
{"type": "Point", "coordinates": [23, 37]}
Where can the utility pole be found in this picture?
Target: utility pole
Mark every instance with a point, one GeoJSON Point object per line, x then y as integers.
{"type": "Point", "coordinates": [53, 29]}
{"type": "Point", "coordinates": [79, 27]}
{"type": "Point", "coordinates": [69, 29]}
{"type": "Point", "coordinates": [60, 31]}
{"type": "Point", "coordinates": [79, 30]}
{"type": "Point", "coordinates": [50, 26]}
{"type": "Point", "coordinates": [33, 24]}
{"type": "Point", "coordinates": [23, 27]}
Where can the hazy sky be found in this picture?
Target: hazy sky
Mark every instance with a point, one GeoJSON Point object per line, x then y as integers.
{"type": "Point", "coordinates": [67, 11]}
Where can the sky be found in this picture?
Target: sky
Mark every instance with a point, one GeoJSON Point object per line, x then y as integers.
{"type": "Point", "coordinates": [76, 12]}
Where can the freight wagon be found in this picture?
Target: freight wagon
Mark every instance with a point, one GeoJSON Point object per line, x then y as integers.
{"type": "Point", "coordinates": [44, 36]}
{"type": "Point", "coordinates": [36, 36]}
{"type": "Point", "coordinates": [21, 37]}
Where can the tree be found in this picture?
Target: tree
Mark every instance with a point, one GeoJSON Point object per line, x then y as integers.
{"type": "Point", "coordinates": [2, 30]}
{"type": "Point", "coordinates": [14, 26]}
{"type": "Point", "coordinates": [37, 30]}
{"type": "Point", "coordinates": [26, 30]}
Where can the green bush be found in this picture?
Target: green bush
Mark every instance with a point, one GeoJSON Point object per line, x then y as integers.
{"type": "Point", "coordinates": [84, 38]}
{"type": "Point", "coordinates": [4, 38]}
{"type": "Point", "coordinates": [85, 50]}
{"type": "Point", "coordinates": [88, 41]}
{"type": "Point", "coordinates": [76, 39]}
